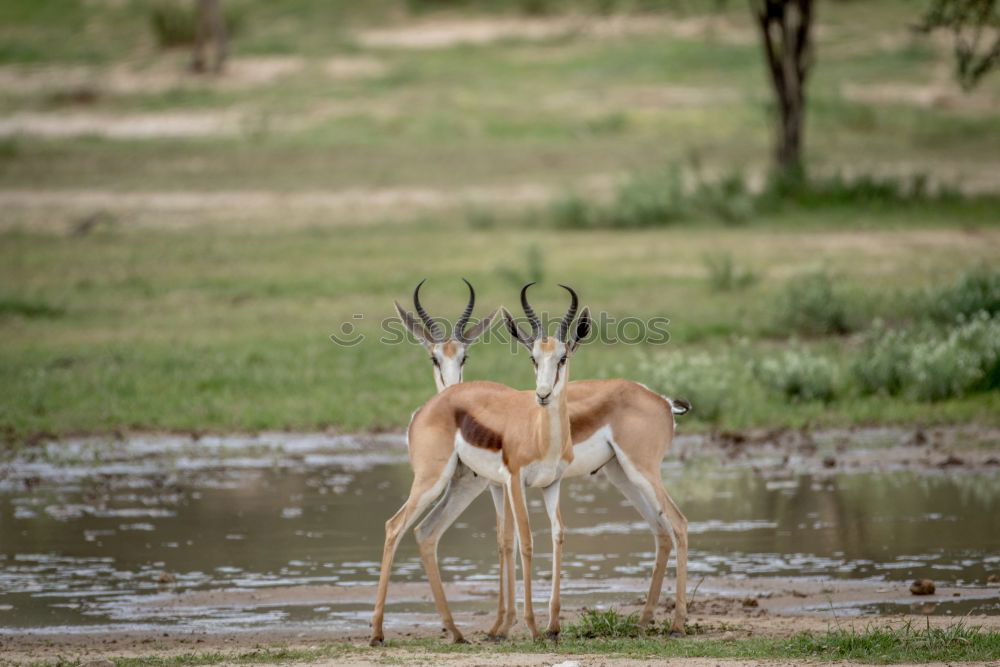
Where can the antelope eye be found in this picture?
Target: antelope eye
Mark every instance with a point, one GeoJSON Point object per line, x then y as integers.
{"type": "Point", "coordinates": [562, 361]}
{"type": "Point", "coordinates": [464, 359]}
{"type": "Point", "coordinates": [435, 361]}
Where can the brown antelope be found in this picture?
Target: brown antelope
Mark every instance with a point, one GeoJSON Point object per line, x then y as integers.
{"type": "Point", "coordinates": [616, 425]}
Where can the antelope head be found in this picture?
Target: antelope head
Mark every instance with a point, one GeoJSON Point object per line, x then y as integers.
{"type": "Point", "coordinates": [448, 354]}
{"type": "Point", "coordinates": [550, 355]}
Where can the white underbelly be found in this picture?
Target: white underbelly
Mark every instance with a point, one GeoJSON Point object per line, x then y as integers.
{"type": "Point", "coordinates": [487, 463]}
{"type": "Point", "coordinates": [591, 454]}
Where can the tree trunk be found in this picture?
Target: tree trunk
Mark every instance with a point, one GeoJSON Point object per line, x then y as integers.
{"type": "Point", "coordinates": [786, 27]}
{"type": "Point", "coordinates": [210, 35]}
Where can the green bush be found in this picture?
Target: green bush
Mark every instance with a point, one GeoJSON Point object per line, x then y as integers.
{"type": "Point", "coordinates": [882, 365]}
{"type": "Point", "coordinates": [813, 305]}
{"type": "Point", "coordinates": [865, 190]}
{"type": "Point", "coordinates": [975, 291]}
{"type": "Point", "coordinates": [967, 358]}
{"type": "Point", "coordinates": [934, 363]}
{"type": "Point", "coordinates": [648, 201]}
{"type": "Point", "coordinates": [574, 212]}
{"type": "Point", "coordinates": [724, 275]}
{"type": "Point", "coordinates": [799, 376]}
{"type": "Point", "coordinates": [729, 199]}
{"type": "Point", "coordinates": [703, 380]}
{"type": "Point", "coordinates": [174, 24]}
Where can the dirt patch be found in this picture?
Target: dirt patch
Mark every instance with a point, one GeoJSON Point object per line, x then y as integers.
{"type": "Point", "coordinates": [123, 126]}
{"type": "Point", "coordinates": [355, 203]}
{"type": "Point", "coordinates": [445, 33]}
{"type": "Point", "coordinates": [169, 73]}
{"type": "Point", "coordinates": [347, 68]}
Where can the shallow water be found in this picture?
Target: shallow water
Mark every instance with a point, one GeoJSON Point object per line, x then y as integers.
{"type": "Point", "coordinates": [89, 531]}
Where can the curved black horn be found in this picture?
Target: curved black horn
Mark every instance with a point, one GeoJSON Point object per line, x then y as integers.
{"type": "Point", "coordinates": [536, 325]}
{"type": "Point", "coordinates": [463, 319]}
{"type": "Point", "coordinates": [570, 314]}
{"type": "Point", "coordinates": [432, 328]}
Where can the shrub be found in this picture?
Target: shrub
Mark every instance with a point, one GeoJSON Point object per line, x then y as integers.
{"type": "Point", "coordinates": [975, 291]}
{"type": "Point", "coordinates": [864, 190]}
{"type": "Point", "coordinates": [729, 199]}
{"type": "Point", "coordinates": [532, 270]}
{"type": "Point", "coordinates": [812, 305]}
{"type": "Point", "coordinates": [798, 375]}
{"type": "Point", "coordinates": [703, 380]}
{"type": "Point", "coordinates": [574, 212]}
{"type": "Point", "coordinates": [966, 359]}
{"type": "Point", "coordinates": [932, 364]}
{"type": "Point", "coordinates": [28, 308]}
{"type": "Point", "coordinates": [882, 366]}
{"type": "Point", "coordinates": [174, 23]}
{"type": "Point", "coordinates": [648, 201]}
{"type": "Point", "coordinates": [724, 275]}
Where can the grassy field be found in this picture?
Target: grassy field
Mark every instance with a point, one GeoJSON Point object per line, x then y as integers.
{"type": "Point", "coordinates": [215, 313]}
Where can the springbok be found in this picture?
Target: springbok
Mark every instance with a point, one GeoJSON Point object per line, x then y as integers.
{"type": "Point", "coordinates": [616, 425]}
{"type": "Point", "coordinates": [447, 354]}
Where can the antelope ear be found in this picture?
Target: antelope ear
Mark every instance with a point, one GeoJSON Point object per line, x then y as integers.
{"type": "Point", "coordinates": [477, 330]}
{"type": "Point", "coordinates": [581, 331]}
{"type": "Point", "coordinates": [413, 326]}
{"type": "Point", "coordinates": [515, 330]}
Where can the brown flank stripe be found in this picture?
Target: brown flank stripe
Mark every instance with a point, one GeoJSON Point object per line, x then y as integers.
{"type": "Point", "coordinates": [476, 434]}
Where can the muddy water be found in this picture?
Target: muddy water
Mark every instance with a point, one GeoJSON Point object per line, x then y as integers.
{"type": "Point", "coordinates": [91, 531]}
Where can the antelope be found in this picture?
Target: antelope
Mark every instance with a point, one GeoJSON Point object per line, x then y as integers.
{"type": "Point", "coordinates": [616, 425]}
{"type": "Point", "coordinates": [448, 355]}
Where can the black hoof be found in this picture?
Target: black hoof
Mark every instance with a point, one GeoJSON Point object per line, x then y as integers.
{"type": "Point", "coordinates": [459, 640]}
{"type": "Point", "coordinates": [676, 634]}
{"type": "Point", "coordinates": [553, 635]}
{"type": "Point", "coordinates": [376, 642]}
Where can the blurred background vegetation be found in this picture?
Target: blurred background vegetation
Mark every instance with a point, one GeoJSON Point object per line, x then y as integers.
{"type": "Point", "coordinates": [179, 239]}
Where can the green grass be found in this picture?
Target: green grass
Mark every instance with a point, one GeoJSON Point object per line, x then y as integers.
{"type": "Point", "coordinates": [218, 317]}
{"type": "Point", "coordinates": [872, 644]}
{"type": "Point", "coordinates": [229, 330]}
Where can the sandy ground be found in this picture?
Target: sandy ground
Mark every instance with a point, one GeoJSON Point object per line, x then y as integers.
{"type": "Point", "coordinates": [721, 608]}
{"type": "Point", "coordinates": [445, 33]}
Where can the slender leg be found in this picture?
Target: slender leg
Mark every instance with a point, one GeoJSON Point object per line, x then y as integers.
{"type": "Point", "coordinates": [650, 484]}
{"type": "Point", "coordinates": [520, 510]}
{"type": "Point", "coordinates": [551, 496]}
{"type": "Point", "coordinates": [423, 491]}
{"type": "Point", "coordinates": [509, 540]}
{"type": "Point", "coordinates": [679, 528]}
{"type": "Point", "coordinates": [462, 490]}
{"type": "Point", "coordinates": [661, 534]}
{"type": "Point", "coordinates": [500, 503]}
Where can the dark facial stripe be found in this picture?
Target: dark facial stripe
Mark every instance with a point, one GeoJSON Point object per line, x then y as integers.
{"type": "Point", "coordinates": [476, 434]}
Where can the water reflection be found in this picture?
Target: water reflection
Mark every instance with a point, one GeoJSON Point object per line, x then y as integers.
{"type": "Point", "coordinates": [86, 533]}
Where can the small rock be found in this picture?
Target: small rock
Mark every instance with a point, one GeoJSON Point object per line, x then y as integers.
{"type": "Point", "coordinates": [951, 460]}
{"type": "Point", "coordinates": [165, 578]}
{"type": "Point", "coordinates": [750, 602]}
{"type": "Point", "coordinates": [993, 579]}
{"type": "Point", "coordinates": [922, 587]}
{"type": "Point", "coordinates": [829, 462]}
